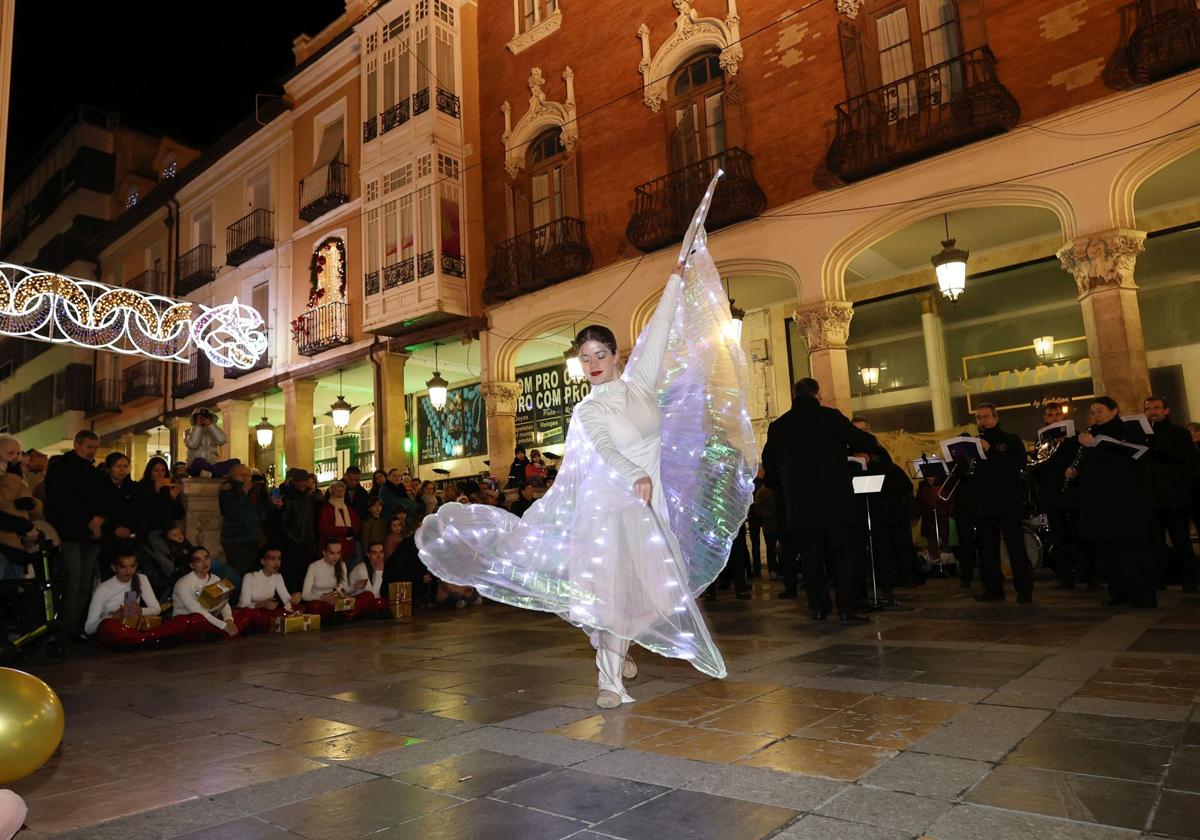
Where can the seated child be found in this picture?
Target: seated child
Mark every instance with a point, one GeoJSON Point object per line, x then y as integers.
{"type": "Point", "coordinates": [366, 584]}
{"type": "Point", "coordinates": [264, 594]}
{"type": "Point", "coordinates": [325, 583]}
{"type": "Point", "coordinates": [126, 593]}
{"type": "Point", "coordinates": [180, 551]}
{"type": "Point", "coordinates": [189, 613]}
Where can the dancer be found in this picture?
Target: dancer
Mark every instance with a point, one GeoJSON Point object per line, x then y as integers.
{"type": "Point", "coordinates": [646, 501]}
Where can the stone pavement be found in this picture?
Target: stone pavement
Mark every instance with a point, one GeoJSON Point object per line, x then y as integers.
{"type": "Point", "coordinates": [952, 720]}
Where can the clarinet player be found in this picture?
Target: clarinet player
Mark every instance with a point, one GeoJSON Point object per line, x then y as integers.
{"type": "Point", "coordinates": [1116, 514]}
{"type": "Point", "coordinates": [997, 485]}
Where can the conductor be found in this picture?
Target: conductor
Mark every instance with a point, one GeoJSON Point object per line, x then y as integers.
{"type": "Point", "coordinates": [805, 463]}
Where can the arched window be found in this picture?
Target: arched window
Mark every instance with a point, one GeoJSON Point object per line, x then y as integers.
{"type": "Point", "coordinates": [696, 110]}
{"type": "Point", "coordinates": [545, 162]}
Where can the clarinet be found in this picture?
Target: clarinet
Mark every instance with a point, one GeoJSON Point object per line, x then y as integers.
{"type": "Point", "coordinates": [1075, 462]}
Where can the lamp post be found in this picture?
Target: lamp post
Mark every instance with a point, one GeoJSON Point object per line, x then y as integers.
{"type": "Point", "coordinates": [264, 432]}
{"type": "Point", "coordinates": [437, 385]}
{"type": "Point", "coordinates": [340, 408]}
{"type": "Point", "coordinates": [950, 264]}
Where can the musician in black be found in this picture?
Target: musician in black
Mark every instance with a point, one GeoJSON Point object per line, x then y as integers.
{"type": "Point", "coordinates": [805, 462]}
{"type": "Point", "coordinates": [1174, 463]}
{"type": "Point", "coordinates": [893, 511]}
{"type": "Point", "coordinates": [1060, 503]}
{"type": "Point", "coordinates": [1116, 513]}
{"type": "Point", "coordinates": [996, 483]}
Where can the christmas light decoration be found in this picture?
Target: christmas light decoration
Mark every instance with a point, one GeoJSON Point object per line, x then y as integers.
{"type": "Point", "coordinates": [67, 310]}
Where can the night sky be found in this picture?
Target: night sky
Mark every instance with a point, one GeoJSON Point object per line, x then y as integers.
{"type": "Point", "coordinates": [185, 69]}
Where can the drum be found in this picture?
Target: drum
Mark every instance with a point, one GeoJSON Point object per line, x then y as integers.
{"type": "Point", "coordinates": [1033, 549]}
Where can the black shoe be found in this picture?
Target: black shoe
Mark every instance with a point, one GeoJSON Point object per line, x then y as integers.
{"type": "Point", "coordinates": [990, 596]}
{"type": "Point", "coordinates": [787, 593]}
{"type": "Point", "coordinates": [852, 618]}
{"type": "Point", "coordinates": [744, 595]}
{"type": "Point", "coordinates": [1026, 598]}
{"type": "Point", "coordinates": [820, 615]}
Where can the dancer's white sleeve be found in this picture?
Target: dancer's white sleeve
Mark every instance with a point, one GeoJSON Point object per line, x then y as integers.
{"type": "Point", "coordinates": [645, 368]}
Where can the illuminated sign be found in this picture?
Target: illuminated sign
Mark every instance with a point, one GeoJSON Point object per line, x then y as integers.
{"type": "Point", "coordinates": [66, 310]}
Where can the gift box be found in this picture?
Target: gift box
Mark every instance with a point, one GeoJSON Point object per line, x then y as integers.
{"type": "Point", "coordinates": [401, 592]}
{"type": "Point", "coordinates": [400, 609]}
{"type": "Point", "coordinates": [215, 595]}
{"type": "Point", "coordinates": [343, 605]}
{"type": "Point", "coordinates": [296, 623]}
{"type": "Point", "coordinates": [141, 622]}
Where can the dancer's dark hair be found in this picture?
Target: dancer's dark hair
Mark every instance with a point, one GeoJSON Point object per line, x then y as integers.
{"type": "Point", "coordinates": [596, 332]}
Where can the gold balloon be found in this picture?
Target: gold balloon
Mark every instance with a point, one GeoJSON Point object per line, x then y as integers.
{"type": "Point", "coordinates": [31, 724]}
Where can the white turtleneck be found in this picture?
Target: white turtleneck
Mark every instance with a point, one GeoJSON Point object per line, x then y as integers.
{"type": "Point", "coordinates": [186, 599]}
{"type": "Point", "coordinates": [110, 596]}
{"type": "Point", "coordinates": [321, 578]}
{"type": "Point", "coordinates": [373, 577]}
{"type": "Point", "coordinates": [259, 586]}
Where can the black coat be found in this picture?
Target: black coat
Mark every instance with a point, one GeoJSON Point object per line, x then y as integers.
{"type": "Point", "coordinates": [993, 489]}
{"type": "Point", "coordinates": [72, 496]}
{"type": "Point", "coordinates": [1173, 463]}
{"type": "Point", "coordinates": [1048, 477]}
{"type": "Point", "coordinates": [121, 506]}
{"type": "Point", "coordinates": [159, 511]}
{"type": "Point", "coordinates": [1115, 500]}
{"type": "Point", "coordinates": [805, 462]}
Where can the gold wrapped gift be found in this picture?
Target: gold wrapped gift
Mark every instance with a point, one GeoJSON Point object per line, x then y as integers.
{"type": "Point", "coordinates": [400, 591]}
{"type": "Point", "coordinates": [296, 623]}
{"type": "Point", "coordinates": [216, 595]}
{"type": "Point", "coordinates": [400, 609]}
{"type": "Point", "coordinates": [343, 605]}
{"type": "Point", "coordinates": [141, 622]}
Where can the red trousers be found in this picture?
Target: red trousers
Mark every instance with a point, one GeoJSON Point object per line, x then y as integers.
{"type": "Point", "coordinates": [254, 620]}
{"type": "Point", "coordinates": [366, 605]}
{"type": "Point", "coordinates": [116, 635]}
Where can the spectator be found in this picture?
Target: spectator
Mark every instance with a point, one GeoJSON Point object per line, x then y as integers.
{"type": "Point", "coordinates": [18, 510]}
{"type": "Point", "coordinates": [120, 503]}
{"type": "Point", "coordinates": [179, 471]}
{"type": "Point", "coordinates": [186, 605]}
{"type": "Point", "coordinates": [427, 496]}
{"type": "Point", "coordinates": [161, 499]}
{"type": "Point", "coordinates": [356, 494]}
{"type": "Point", "coordinates": [397, 532]}
{"type": "Point", "coordinates": [339, 521]}
{"type": "Point", "coordinates": [378, 479]}
{"type": "Point", "coordinates": [34, 469]}
{"type": "Point", "coordinates": [763, 517]}
{"type": "Point", "coordinates": [374, 528]}
{"type": "Point", "coordinates": [516, 472]}
{"type": "Point", "coordinates": [239, 521]}
{"type": "Point", "coordinates": [524, 500]}
{"type": "Point", "coordinates": [298, 527]}
{"type": "Point", "coordinates": [204, 441]}
{"type": "Point", "coordinates": [394, 495]}
{"type": "Point", "coordinates": [536, 468]}
{"type": "Point", "coordinates": [72, 490]}
{"type": "Point", "coordinates": [174, 545]}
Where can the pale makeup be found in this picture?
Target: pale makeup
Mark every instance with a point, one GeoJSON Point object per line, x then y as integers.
{"type": "Point", "coordinates": [599, 363]}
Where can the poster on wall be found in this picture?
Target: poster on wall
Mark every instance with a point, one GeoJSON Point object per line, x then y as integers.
{"type": "Point", "coordinates": [545, 405]}
{"type": "Point", "coordinates": [457, 430]}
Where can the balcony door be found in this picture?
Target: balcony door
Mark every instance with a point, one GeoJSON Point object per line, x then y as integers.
{"type": "Point", "coordinates": [696, 111]}
{"type": "Point", "coordinates": [914, 71]}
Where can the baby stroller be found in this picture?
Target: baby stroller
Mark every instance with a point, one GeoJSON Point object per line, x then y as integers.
{"type": "Point", "coordinates": [29, 610]}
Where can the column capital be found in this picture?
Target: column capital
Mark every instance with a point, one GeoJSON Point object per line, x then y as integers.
{"type": "Point", "coordinates": [500, 397]}
{"type": "Point", "coordinates": [826, 324]}
{"type": "Point", "coordinates": [1103, 260]}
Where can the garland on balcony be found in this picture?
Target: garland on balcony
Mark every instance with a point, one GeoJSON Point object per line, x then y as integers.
{"type": "Point", "coordinates": [332, 248]}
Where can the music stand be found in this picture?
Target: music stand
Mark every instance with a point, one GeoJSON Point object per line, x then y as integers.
{"type": "Point", "coordinates": [871, 485]}
{"type": "Point", "coordinates": [933, 467]}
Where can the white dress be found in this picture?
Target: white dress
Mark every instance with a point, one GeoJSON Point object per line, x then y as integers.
{"type": "Point", "coordinates": [589, 550]}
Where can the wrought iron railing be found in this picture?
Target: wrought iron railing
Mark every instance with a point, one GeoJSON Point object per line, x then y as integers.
{"type": "Point", "coordinates": [321, 328]}
{"type": "Point", "coordinates": [546, 255]}
{"type": "Point", "coordinates": [320, 195]}
{"type": "Point", "coordinates": [371, 283]}
{"type": "Point", "coordinates": [249, 236]}
{"type": "Point", "coordinates": [425, 264]}
{"type": "Point", "coordinates": [1165, 39]}
{"type": "Point", "coordinates": [398, 273]}
{"type": "Point", "coordinates": [193, 377]}
{"type": "Point", "coordinates": [396, 115]}
{"type": "Point", "coordinates": [941, 107]}
{"type": "Point", "coordinates": [454, 264]}
{"type": "Point", "coordinates": [150, 280]}
{"type": "Point", "coordinates": [366, 461]}
{"type": "Point", "coordinates": [420, 101]}
{"type": "Point", "coordinates": [193, 269]}
{"type": "Point", "coordinates": [106, 398]}
{"type": "Point", "coordinates": [370, 128]}
{"type": "Point", "coordinates": [663, 207]}
{"type": "Point", "coordinates": [448, 103]}
{"type": "Point", "coordinates": [142, 380]}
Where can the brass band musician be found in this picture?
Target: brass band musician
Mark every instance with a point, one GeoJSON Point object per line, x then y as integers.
{"type": "Point", "coordinates": [1059, 501]}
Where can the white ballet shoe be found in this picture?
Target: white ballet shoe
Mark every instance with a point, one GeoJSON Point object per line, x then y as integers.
{"type": "Point", "coordinates": [608, 699]}
{"type": "Point", "coordinates": [629, 670]}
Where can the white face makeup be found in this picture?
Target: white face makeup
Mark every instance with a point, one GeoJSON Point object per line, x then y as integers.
{"type": "Point", "coordinates": [599, 363]}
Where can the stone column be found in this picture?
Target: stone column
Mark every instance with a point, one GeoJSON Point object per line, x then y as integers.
{"type": "Point", "coordinates": [826, 327]}
{"type": "Point", "coordinates": [179, 427]}
{"type": "Point", "coordinates": [500, 399]}
{"type": "Point", "coordinates": [935, 361]}
{"type": "Point", "coordinates": [298, 419]}
{"type": "Point", "coordinates": [1102, 265]}
{"type": "Point", "coordinates": [202, 523]}
{"type": "Point", "coordinates": [391, 418]}
{"type": "Point", "coordinates": [139, 445]}
{"type": "Point", "coordinates": [235, 422]}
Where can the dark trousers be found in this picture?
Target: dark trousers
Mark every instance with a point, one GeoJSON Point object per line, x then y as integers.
{"type": "Point", "coordinates": [736, 565]}
{"type": "Point", "coordinates": [965, 526]}
{"type": "Point", "coordinates": [789, 550]}
{"type": "Point", "coordinates": [829, 551]}
{"type": "Point", "coordinates": [756, 552]}
{"type": "Point", "coordinates": [1177, 561]}
{"type": "Point", "coordinates": [989, 531]}
{"type": "Point", "coordinates": [1070, 560]}
{"type": "Point", "coordinates": [1129, 568]}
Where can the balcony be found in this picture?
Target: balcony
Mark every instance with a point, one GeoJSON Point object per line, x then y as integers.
{"type": "Point", "coordinates": [194, 377]}
{"type": "Point", "coordinates": [1165, 39]}
{"type": "Point", "coordinates": [663, 207]}
{"type": "Point", "coordinates": [193, 269]}
{"type": "Point", "coordinates": [396, 115]}
{"type": "Point", "coordinates": [50, 396]}
{"type": "Point", "coordinates": [943, 107]}
{"type": "Point", "coordinates": [321, 328]}
{"type": "Point", "coordinates": [398, 273]}
{"type": "Point", "coordinates": [370, 129]}
{"type": "Point", "coordinates": [106, 398]}
{"type": "Point", "coordinates": [366, 460]}
{"type": "Point", "coordinates": [320, 193]}
{"type": "Point", "coordinates": [420, 101]}
{"type": "Point", "coordinates": [544, 256]}
{"type": "Point", "coordinates": [149, 281]}
{"type": "Point", "coordinates": [448, 103]}
{"type": "Point", "coordinates": [142, 381]}
{"type": "Point", "coordinates": [249, 236]}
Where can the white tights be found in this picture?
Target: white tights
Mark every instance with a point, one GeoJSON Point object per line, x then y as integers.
{"type": "Point", "coordinates": [610, 659]}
